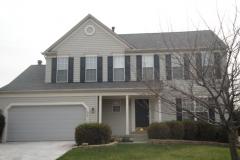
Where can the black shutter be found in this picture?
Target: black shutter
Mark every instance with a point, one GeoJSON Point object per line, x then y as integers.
{"type": "Point", "coordinates": [139, 68]}
{"type": "Point", "coordinates": [211, 111]}
{"type": "Point", "coordinates": [110, 68]}
{"type": "Point", "coordinates": [82, 69]}
{"type": "Point", "coordinates": [179, 109]}
{"type": "Point", "coordinates": [99, 69]}
{"type": "Point", "coordinates": [199, 64]}
{"type": "Point", "coordinates": [54, 70]}
{"type": "Point", "coordinates": [168, 67]}
{"type": "Point", "coordinates": [127, 68]}
{"type": "Point", "coordinates": [217, 65]}
{"type": "Point", "coordinates": [186, 67]}
{"type": "Point", "coordinates": [70, 70]}
{"type": "Point", "coordinates": [156, 67]}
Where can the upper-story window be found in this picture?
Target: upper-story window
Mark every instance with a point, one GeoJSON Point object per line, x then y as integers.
{"type": "Point", "coordinates": [177, 66]}
{"type": "Point", "coordinates": [62, 69]}
{"type": "Point", "coordinates": [119, 67]}
{"type": "Point", "coordinates": [207, 63]}
{"type": "Point", "coordinates": [147, 67]}
{"type": "Point", "coordinates": [91, 69]}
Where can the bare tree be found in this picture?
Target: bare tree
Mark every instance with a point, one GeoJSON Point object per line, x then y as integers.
{"type": "Point", "coordinates": [200, 79]}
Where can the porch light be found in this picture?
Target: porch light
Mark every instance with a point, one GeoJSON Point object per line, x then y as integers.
{"type": "Point", "coordinates": [92, 110]}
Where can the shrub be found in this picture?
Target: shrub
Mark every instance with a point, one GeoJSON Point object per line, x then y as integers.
{"type": "Point", "coordinates": [206, 132]}
{"type": "Point", "coordinates": [190, 129]}
{"type": "Point", "coordinates": [2, 124]}
{"type": "Point", "coordinates": [158, 131]}
{"type": "Point", "coordinates": [93, 133]}
{"type": "Point", "coordinates": [176, 129]}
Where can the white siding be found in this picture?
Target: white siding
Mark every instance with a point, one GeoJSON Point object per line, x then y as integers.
{"type": "Point", "coordinates": [48, 70]}
{"type": "Point", "coordinates": [133, 68]}
{"type": "Point", "coordinates": [100, 42]}
{"type": "Point", "coordinates": [117, 121]}
{"type": "Point", "coordinates": [90, 101]}
{"type": "Point", "coordinates": [76, 69]}
{"type": "Point", "coordinates": [105, 69]}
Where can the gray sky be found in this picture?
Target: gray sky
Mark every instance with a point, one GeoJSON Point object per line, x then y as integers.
{"type": "Point", "coordinates": [28, 27]}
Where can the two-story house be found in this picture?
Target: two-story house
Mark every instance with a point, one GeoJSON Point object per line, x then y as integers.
{"type": "Point", "coordinates": [90, 76]}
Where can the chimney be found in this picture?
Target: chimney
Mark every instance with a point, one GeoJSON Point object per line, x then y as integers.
{"type": "Point", "coordinates": [39, 62]}
{"type": "Point", "coordinates": [113, 29]}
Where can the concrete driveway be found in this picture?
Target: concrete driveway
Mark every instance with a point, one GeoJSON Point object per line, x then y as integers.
{"type": "Point", "coordinates": [50, 150]}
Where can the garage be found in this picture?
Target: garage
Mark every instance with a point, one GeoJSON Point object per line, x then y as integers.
{"type": "Point", "coordinates": [44, 123]}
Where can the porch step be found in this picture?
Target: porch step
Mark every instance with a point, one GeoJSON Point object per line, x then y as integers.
{"type": "Point", "coordinates": [139, 137]}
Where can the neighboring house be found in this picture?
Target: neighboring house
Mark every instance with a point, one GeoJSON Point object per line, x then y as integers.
{"type": "Point", "coordinates": [90, 76]}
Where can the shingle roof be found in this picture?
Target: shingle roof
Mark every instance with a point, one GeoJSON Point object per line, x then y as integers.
{"type": "Point", "coordinates": [33, 79]}
{"type": "Point", "coordinates": [186, 40]}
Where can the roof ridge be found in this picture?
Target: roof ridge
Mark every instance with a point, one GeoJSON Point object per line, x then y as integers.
{"type": "Point", "coordinates": [165, 32]}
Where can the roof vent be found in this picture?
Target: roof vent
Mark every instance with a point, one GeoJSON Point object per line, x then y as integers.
{"type": "Point", "coordinates": [113, 29]}
{"type": "Point", "coordinates": [39, 62]}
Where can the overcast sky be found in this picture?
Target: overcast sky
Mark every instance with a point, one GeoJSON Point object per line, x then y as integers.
{"type": "Point", "coordinates": [28, 27]}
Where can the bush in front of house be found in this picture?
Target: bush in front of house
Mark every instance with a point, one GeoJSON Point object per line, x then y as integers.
{"type": "Point", "coordinates": [2, 124]}
{"type": "Point", "coordinates": [206, 132]}
{"type": "Point", "coordinates": [176, 129]}
{"type": "Point", "coordinates": [190, 129]}
{"type": "Point", "coordinates": [222, 135]}
{"type": "Point", "coordinates": [93, 133]}
{"type": "Point", "coordinates": [158, 130]}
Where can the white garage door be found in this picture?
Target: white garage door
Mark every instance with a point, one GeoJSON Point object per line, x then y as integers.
{"type": "Point", "coordinates": [44, 123]}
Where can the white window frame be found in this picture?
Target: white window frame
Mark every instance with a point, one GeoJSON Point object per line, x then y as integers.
{"type": "Point", "coordinates": [117, 67]}
{"type": "Point", "coordinates": [90, 68]}
{"type": "Point", "coordinates": [148, 63]}
{"type": "Point", "coordinates": [208, 61]}
{"type": "Point", "coordinates": [195, 109]}
{"type": "Point", "coordinates": [177, 56]}
{"type": "Point", "coordinates": [119, 104]}
{"type": "Point", "coordinates": [58, 61]}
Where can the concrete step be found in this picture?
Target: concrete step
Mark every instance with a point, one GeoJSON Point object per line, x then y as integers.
{"type": "Point", "coordinates": [139, 137]}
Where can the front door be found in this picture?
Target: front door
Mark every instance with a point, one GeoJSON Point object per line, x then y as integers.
{"type": "Point", "coordinates": [142, 113]}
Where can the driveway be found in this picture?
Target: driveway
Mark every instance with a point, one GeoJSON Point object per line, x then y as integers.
{"type": "Point", "coordinates": [50, 150]}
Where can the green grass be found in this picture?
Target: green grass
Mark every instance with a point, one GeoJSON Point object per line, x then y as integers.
{"type": "Point", "coordinates": [150, 151]}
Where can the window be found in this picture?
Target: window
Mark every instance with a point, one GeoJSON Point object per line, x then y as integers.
{"type": "Point", "coordinates": [116, 105]}
{"type": "Point", "coordinates": [147, 67]}
{"type": "Point", "coordinates": [91, 69]}
{"type": "Point", "coordinates": [207, 63]}
{"type": "Point", "coordinates": [194, 107]}
{"type": "Point", "coordinates": [177, 66]}
{"type": "Point", "coordinates": [118, 65]}
{"type": "Point", "coordinates": [62, 69]}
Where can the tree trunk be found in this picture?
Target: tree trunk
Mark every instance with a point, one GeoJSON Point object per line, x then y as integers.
{"type": "Point", "coordinates": [232, 145]}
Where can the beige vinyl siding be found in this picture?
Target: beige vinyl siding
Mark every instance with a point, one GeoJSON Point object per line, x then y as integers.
{"type": "Point", "coordinates": [162, 64]}
{"type": "Point", "coordinates": [168, 112]}
{"type": "Point", "coordinates": [117, 121]}
{"type": "Point", "coordinates": [76, 70]}
{"type": "Point", "coordinates": [90, 101]}
{"type": "Point", "coordinates": [105, 69]}
{"type": "Point", "coordinates": [100, 42]}
{"type": "Point", "coordinates": [48, 70]}
{"type": "Point", "coordinates": [133, 68]}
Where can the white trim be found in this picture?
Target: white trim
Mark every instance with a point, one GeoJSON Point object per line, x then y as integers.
{"type": "Point", "coordinates": [89, 33]}
{"type": "Point", "coordinates": [4, 136]}
{"type": "Point", "coordinates": [62, 69]}
{"type": "Point", "coordinates": [159, 111]}
{"type": "Point", "coordinates": [100, 110]}
{"type": "Point", "coordinates": [127, 115]}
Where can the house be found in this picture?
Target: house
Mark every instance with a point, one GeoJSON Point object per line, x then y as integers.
{"type": "Point", "coordinates": [90, 76]}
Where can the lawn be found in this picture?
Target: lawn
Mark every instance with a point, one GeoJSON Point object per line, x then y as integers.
{"type": "Point", "coordinates": [150, 151]}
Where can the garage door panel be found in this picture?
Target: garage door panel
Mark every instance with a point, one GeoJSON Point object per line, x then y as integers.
{"type": "Point", "coordinates": [39, 123]}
